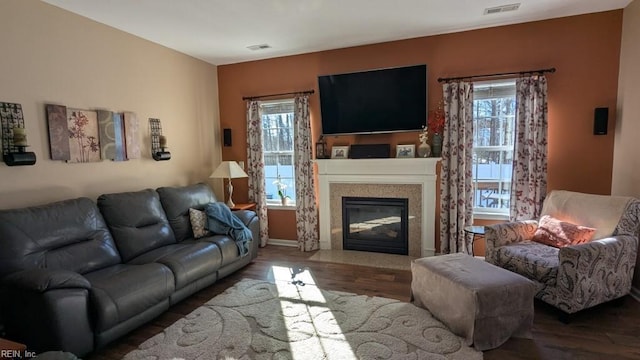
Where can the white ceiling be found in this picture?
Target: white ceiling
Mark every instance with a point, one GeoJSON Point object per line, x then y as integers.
{"type": "Point", "coordinates": [219, 31]}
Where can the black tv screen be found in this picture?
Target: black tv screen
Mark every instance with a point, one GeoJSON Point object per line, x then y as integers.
{"type": "Point", "coordinates": [375, 101]}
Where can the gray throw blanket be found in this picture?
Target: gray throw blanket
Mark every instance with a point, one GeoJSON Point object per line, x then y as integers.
{"type": "Point", "coordinates": [220, 220]}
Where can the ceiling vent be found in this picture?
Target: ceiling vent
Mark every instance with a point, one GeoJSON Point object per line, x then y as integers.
{"type": "Point", "coordinates": [259, 47]}
{"type": "Point", "coordinates": [501, 9]}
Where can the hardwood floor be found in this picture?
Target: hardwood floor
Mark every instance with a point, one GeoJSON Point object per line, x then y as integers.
{"type": "Point", "coordinates": [610, 331]}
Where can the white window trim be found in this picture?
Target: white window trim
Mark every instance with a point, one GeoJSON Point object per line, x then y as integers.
{"type": "Point", "coordinates": [280, 206]}
{"type": "Point", "coordinates": [488, 213]}
{"type": "Point", "coordinates": [276, 204]}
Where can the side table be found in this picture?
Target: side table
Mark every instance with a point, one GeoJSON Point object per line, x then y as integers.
{"type": "Point", "coordinates": [477, 232]}
{"type": "Point", "coordinates": [247, 206]}
{"type": "Point", "coordinates": [12, 350]}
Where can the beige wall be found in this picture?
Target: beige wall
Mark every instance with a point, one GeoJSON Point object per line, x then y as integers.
{"type": "Point", "coordinates": [626, 163]}
{"type": "Point", "coordinates": [53, 56]}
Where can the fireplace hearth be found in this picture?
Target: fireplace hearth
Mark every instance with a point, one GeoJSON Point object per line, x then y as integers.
{"type": "Point", "coordinates": [375, 224]}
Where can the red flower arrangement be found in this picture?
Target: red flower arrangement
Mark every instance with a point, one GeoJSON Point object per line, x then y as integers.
{"type": "Point", "coordinates": [435, 123]}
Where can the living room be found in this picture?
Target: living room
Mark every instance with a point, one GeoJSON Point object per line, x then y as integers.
{"type": "Point", "coordinates": [58, 57]}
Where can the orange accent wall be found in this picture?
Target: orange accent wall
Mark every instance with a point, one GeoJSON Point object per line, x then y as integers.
{"type": "Point", "coordinates": [584, 49]}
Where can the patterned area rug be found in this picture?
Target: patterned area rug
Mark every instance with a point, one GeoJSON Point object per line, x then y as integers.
{"type": "Point", "coordinates": [261, 320]}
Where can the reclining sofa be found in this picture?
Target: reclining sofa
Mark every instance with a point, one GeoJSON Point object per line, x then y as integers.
{"type": "Point", "coordinates": [76, 275]}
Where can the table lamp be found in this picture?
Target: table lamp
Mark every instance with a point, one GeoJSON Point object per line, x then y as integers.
{"type": "Point", "coordinates": [229, 170]}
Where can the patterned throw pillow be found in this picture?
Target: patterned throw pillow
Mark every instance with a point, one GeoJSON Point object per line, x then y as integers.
{"type": "Point", "coordinates": [198, 221]}
{"type": "Point", "coordinates": [556, 233]}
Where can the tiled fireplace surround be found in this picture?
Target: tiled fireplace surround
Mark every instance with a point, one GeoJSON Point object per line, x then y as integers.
{"type": "Point", "coordinates": [412, 178]}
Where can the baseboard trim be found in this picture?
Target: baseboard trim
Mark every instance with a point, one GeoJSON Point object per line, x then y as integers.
{"type": "Point", "coordinates": [282, 242]}
{"type": "Point", "coordinates": [635, 293]}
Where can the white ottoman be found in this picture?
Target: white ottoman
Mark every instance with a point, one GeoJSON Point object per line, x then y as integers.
{"type": "Point", "coordinates": [479, 301]}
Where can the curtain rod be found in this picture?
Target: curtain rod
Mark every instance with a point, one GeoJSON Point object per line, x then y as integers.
{"type": "Point", "coordinates": [281, 94]}
{"type": "Point", "coordinates": [541, 71]}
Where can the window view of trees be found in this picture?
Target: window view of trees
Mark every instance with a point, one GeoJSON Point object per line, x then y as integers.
{"type": "Point", "coordinates": [494, 109]}
{"type": "Point", "coordinates": [277, 132]}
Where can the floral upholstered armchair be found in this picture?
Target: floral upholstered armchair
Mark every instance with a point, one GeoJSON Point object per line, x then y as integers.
{"type": "Point", "coordinates": [593, 253]}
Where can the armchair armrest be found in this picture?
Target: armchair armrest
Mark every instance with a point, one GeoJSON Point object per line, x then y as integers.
{"type": "Point", "coordinates": [41, 280]}
{"type": "Point", "coordinates": [502, 234]}
{"type": "Point", "coordinates": [597, 271]}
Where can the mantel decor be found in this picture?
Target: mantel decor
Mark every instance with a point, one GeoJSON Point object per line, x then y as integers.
{"type": "Point", "coordinates": [14, 136]}
{"type": "Point", "coordinates": [321, 148]}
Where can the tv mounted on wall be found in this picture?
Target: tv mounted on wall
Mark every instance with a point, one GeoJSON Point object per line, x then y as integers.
{"type": "Point", "coordinates": [375, 101]}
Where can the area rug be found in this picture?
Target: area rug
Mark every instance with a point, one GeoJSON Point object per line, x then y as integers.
{"type": "Point", "coordinates": [261, 320]}
{"type": "Point", "coordinates": [364, 258]}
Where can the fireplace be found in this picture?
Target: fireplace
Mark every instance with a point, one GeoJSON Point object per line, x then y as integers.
{"type": "Point", "coordinates": [375, 224]}
{"type": "Point", "coordinates": [405, 178]}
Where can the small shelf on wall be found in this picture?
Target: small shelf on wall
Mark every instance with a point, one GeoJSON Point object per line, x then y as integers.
{"type": "Point", "coordinates": [14, 137]}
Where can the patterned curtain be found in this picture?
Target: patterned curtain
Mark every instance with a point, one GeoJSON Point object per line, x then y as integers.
{"type": "Point", "coordinates": [529, 178]}
{"type": "Point", "coordinates": [456, 185]}
{"type": "Point", "coordinates": [255, 168]}
{"type": "Point", "coordinates": [306, 205]}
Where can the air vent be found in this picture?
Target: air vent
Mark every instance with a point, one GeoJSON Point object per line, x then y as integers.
{"type": "Point", "coordinates": [501, 9]}
{"type": "Point", "coordinates": [259, 47]}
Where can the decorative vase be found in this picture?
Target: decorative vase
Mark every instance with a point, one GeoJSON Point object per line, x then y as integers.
{"type": "Point", "coordinates": [424, 150]}
{"type": "Point", "coordinates": [436, 147]}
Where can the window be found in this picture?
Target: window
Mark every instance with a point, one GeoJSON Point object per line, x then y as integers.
{"type": "Point", "coordinates": [494, 109]}
{"type": "Point", "coordinates": [277, 135]}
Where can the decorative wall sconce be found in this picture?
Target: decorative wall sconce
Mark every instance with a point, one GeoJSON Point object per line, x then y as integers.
{"type": "Point", "coordinates": [14, 137]}
{"type": "Point", "coordinates": [158, 141]}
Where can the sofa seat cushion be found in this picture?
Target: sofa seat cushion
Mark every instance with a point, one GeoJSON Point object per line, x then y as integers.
{"type": "Point", "coordinates": [123, 291]}
{"type": "Point", "coordinates": [228, 247]}
{"type": "Point", "coordinates": [530, 259]}
{"type": "Point", "coordinates": [188, 261]}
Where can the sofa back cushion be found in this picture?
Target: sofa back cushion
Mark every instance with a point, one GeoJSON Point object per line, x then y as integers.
{"type": "Point", "coordinates": [178, 200]}
{"type": "Point", "coordinates": [602, 212]}
{"type": "Point", "coordinates": [68, 235]}
{"type": "Point", "coordinates": [137, 222]}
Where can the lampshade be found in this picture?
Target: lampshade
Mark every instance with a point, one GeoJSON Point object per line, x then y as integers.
{"type": "Point", "coordinates": [228, 170]}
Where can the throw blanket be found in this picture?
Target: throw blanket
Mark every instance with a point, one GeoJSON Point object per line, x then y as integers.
{"type": "Point", "coordinates": [220, 220]}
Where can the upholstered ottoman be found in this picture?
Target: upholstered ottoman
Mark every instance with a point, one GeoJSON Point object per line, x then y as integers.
{"type": "Point", "coordinates": [481, 302]}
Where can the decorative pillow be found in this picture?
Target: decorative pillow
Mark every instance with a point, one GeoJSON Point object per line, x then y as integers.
{"type": "Point", "coordinates": [556, 233]}
{"type": "Point", "coordinates": [198, 221]}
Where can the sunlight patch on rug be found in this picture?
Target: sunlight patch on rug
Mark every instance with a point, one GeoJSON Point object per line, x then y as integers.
{"type": "Point", "coordinates": [255, 319]}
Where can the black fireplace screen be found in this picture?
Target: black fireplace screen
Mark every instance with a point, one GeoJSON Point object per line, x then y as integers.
{"type": "Point", "coordinates": [375, 224]}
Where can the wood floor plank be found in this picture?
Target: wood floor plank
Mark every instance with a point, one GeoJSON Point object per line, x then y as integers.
{"type": "Point", "coordinates": [610, 331]}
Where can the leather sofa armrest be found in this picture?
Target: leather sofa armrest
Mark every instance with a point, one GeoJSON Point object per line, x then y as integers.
{"type": "Point", "coordinates": [245, 216]}
{"type": "Point", "coordinates": [597, 271]}
{"type": "Point", "coordinates": [252, 221]}
{"type": "Point", "coordinates": [41, 280]}
{"type": "Point", "coordinates": [48, 309]}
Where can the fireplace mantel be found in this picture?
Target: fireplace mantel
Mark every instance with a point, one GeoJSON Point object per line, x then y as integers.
{"type": "Point", "coordinates": [420, 171]}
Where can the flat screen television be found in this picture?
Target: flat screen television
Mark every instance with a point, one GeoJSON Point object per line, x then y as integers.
{"type": "Point", "coordinates": [375, 101]}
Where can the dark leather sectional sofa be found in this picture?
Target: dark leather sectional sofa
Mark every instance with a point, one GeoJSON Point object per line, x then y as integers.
{"type": "Point", "coordinates": [76, 275]}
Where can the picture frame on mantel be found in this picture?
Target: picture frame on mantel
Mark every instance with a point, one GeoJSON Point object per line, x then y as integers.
{"type": "Point", "coordinates": [340, 152]}
{"type": "Point", "coordinates": [406, 151]}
